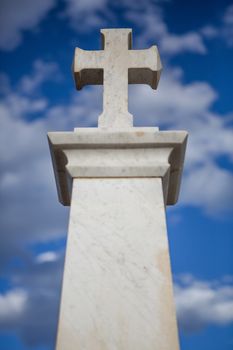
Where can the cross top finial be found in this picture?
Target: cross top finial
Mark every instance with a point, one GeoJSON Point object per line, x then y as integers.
{"type": "Point", "coordinates": [116, 66]}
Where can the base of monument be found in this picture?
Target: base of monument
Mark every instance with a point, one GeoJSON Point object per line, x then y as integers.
{"type": "Point", "coordinates": [117, 286]}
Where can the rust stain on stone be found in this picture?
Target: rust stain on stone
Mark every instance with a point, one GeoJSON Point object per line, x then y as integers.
{"type": "Point", "coordinates": [140, 133]}
{"type": "Point", "coordinates": [162, 262]}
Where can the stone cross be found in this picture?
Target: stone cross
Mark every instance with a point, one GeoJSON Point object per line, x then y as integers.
{"type": "Point", "coordinates": [116, 66]}
{"type": "Point", "coordinates": [117, 285]}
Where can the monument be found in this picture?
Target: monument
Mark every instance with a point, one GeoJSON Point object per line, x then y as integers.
{"type": "Point", "coordinates": [117, 287]}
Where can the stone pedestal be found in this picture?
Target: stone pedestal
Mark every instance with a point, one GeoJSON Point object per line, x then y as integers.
{"type": "Point", "coordinates": [117, 286]}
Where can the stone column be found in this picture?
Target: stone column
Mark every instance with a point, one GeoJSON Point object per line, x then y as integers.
{"type": "Point", "coordinates": [117, 286]}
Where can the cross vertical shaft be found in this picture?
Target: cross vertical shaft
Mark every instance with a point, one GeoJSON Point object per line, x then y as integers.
{"type": "Point", "coordinates": [116, 46]}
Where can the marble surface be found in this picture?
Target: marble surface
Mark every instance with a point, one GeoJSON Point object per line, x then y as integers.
{"type": "Point", "coordinates": [129, 152]}
{"type": "Point", "coordinates": [117, 290]}
{"type": "Point", "coordinates": [116, 66]}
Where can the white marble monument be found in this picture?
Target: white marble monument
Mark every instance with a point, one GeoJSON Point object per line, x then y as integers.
{"type": "Point", "coordinates": [117, 286]}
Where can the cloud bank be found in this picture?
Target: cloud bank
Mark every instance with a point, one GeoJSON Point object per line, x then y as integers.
{"type": "Point", "coordinates": [30, 307]}
{"type": "Point", "coordinates": [30, 210]}
{"type": "Point", "coordinates": [202, 303]}
{"type": "Point", "coordinates": [16, 16]}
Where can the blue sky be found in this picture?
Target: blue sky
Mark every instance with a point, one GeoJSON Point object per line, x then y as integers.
{"type": "Point", "coordinates": [37, 41]}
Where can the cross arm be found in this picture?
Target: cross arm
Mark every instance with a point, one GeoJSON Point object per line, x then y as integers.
{"type": "Point", "coordinates": [145, 67]}
{"type": "Point", "coordinates": [87, 67]}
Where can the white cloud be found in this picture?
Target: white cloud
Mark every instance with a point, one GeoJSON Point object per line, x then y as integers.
{"type": "Point", "coordinates": [27, 183]}
{"type": "Point", "coordinates": [20, 105]}
{"type": "Point", "coordinates": [228, 16]}
{"type": "Point", "coordinates": [31, 210]}
{"type": "Point", "coordinates": [25, 98]}
{"type": "Point", "coordinates": [201, 303]}
{"type": "Point", "coordinates": [224, 30]}
{"type": "Point", "coordinates": [46, 257]}
{"type": "Point", "coordinates": [177, 105]}
{"type": "Point", "coordinates": [188, 42]}
{"type": "Point", "coordinates": [174, 103]}
{"type": "Point", "coordinates": [154, 29]}
{"type": "Point", "coordinates": [210, 187]}
{"type": "Point", "coordinates": [150, 21]}
{"type": "Point", "coordinates": [42, 72]}
{"type": "Point", "coordinates": [12, 304]}
{"type": "Point", "coordinates": [227, 30]}
{"type": "Point", "coordinates": [209, 32]}
{"type": "Point", "coordinates": [85, 15]}
{"type": "Point", "coordinates": [17, 16]}
{"type": "Point", "coordinates": [30, 308]}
